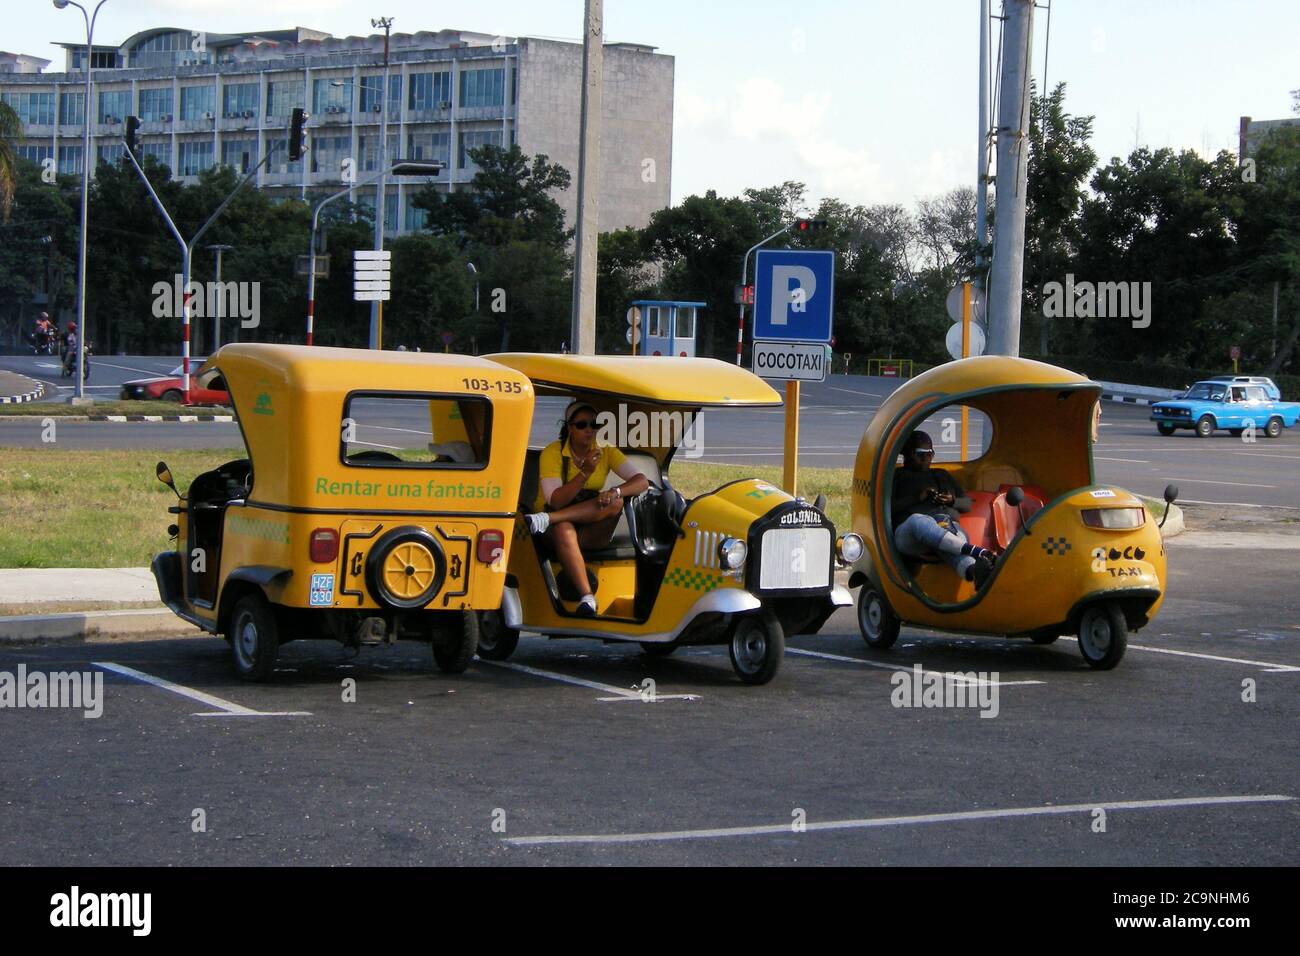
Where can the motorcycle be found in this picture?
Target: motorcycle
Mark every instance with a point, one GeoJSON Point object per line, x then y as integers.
{"type": "Point", "coordinates": [70, 363]}
{"type": "Point", "coordinates": [43, 342]}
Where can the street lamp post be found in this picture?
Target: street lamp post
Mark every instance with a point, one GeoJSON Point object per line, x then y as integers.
{"type": "Point", "coordinates": [381, 207]}
{"type": "Point", "coordinates": [80, 393]}
{"type": "Point", "coordinates": [218, 249]}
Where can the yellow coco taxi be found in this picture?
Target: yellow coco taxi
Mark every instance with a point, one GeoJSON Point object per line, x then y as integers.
{"type": "Point", "coordinates": [376, 502]}
{"type": "Point", "coordinates": [1076, 556]}
{"type": "Point", "coordinates": [743, 565]}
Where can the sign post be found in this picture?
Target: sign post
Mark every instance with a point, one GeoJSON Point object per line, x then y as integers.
{"type": "Point", "coordinates": [794, 296]}
{"type": "Point", "coordinates": [371, 282]}
{"type": "Point", "coordinates": [1235, 354]}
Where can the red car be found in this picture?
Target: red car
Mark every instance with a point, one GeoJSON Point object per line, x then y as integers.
{"type": "Point", "coordinates": [170, 388]}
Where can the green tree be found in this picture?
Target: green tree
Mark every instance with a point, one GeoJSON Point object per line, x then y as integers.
{"type": "Point", "coordinates": [10, 129]}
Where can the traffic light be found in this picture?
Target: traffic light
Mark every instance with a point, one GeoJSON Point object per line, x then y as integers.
{"type": "Point", "coordinates": [132, 127]}
{"type": "Point", "coordinates": [296, 134]}
{"type": "Point", "coordinates": [809, 227]}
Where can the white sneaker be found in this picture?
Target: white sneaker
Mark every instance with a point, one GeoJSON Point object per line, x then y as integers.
{"type": "Point", "coordinates": [537, 523]}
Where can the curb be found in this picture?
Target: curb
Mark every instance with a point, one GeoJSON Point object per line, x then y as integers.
{"type": "Point", "coordinates": [1130, 400]}
{"type": "Point", "coordinates": [160, 418]}
{"type": "Point", "coordinates": [92, 625]}
{"type": "Point", "coordinates": [26, 396]}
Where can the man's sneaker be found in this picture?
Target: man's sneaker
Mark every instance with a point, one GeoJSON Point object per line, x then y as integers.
{"type": "Point", "coordinates": [980, 571]}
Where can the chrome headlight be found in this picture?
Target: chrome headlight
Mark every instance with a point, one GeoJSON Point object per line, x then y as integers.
{"type": "Point", "coordinates": [849, 547]}
{"type": "Point", "coordinates": [732, 553]}
{"type": "Point", "coordinates": [1114, 519]}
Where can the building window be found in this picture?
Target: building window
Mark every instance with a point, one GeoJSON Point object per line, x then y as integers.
{"type": "Point", "coordinates": [473, 140]}
{"type": "Point", "coordinates": [370, 87]}
{"type": "Point", "coordinates": [155, 105]}
{"type": "Point", "coordinates": [33, 109]}
{"type": "Point", "coordinates": [239, 153]}
{"type": "Point", "coordinates": [175, 48]}
{"type": "Point", "coordinates": [284, 96]}
{"type": "Point", "coordinates": [239, 99]}
{"type": "Point", "coordinates": [195, 157]}
{"type": "Point", "coordinates": [483, 87]}
{"type": "Point", "coordinates": [198, 102]}
{"type": "Point", "coordinates": [368, 148]}
{"type": "Point", "coordinates": [114, 106]}
{"type": "Point", "coordinates": [429, 145]}
{"type": "Point", "coordinates": [99, 59]}
{"type": "Point", "coordinates": [415, 217]}
{"type": "Point", "coordinates": [328, 152]}
{"type": "Point", "coordinates": [112, 154]}
{"type": "Point", "coordinates": [35, 154]}
{"type": "Point", "coordinates": [430, 91]}
{"type": "Point", "coordinates": [280, 162]}
{"type": "Point", "coordinates": [69, 160]}
{"type": "Point", "coordinates": [331, 96]}
{"type": "Point", "coordinates": [72, 108]}
{"type": "Point", "coordinates": [366, 201]}
{"type": "Point", "coordinates": [160, 150]}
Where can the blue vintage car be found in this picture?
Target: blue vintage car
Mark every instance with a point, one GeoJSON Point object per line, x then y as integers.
{"type": "Point", "coordinates": [1225, 404]}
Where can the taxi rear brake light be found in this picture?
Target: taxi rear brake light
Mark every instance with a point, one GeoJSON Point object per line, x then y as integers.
{"type": "Point", "coordinates": [491, 544]}
{"type": "Point", "coordinates": [324, 547]}
{"type": "Point", "coordinates": [1114, 519]}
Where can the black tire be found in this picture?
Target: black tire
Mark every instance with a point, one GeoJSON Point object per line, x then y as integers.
{"type": "Point", "coordinates": [171, 395]}
{"type": "Point", "coordinates": [455, 642]}
{"type": "Point", "coordinates": [414, 551]}
{"type": "Point", "coordinates": [1274, 427]}
{"type": "Point", "coordinates": [757, 646]}
{"type": "Point", "coordinates": [254, 638]}
{"type": "Point", "coordinates": [876, 622]}
{"type": "Point", "coordinates": [1044, 638]}
{"type": "Point", "coordinates": [1103, 635]}
{"type": "Point", "coordinates": [658, 650]}
{"type": "Point", "coordinates": [1205, 426]}
{"type": "Point", "coordinates": [1164, 429]}
{"type": "Point", "coordinates": [1235, 432]}
{"type": "Point", "coordinates": [496, 642]}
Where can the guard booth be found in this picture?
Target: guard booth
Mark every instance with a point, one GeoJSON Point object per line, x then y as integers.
{"type": "Point", "coordinates": [669, 326]}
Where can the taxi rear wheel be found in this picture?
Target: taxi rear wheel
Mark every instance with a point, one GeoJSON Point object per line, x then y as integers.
{"type": "Point", "coordinates": [455, 641]}
{"type": "Point", "coordinates": [878, 624]}
{"type": "Point", "coordinates": [254, 638]}
{"type": "Point", "coordinates": [757, 646]}
{"type": "Point", "coordinates": [496, 642]}
{"type": "Point", "coordinates": [1103, 635]}
{"type": "Point", "coordinates": [405, 568]}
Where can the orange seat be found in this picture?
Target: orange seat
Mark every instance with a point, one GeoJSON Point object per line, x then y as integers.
{"type": "Point", "coordinates": [1008, 519]}
{"type": "Point", "coordinates": [978, 522]}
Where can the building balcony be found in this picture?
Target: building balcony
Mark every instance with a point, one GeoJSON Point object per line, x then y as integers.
{"type": "Point", "coordinates": [199, 124]}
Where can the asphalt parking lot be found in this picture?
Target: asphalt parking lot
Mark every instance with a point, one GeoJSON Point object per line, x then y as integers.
{"type": "Point", "coordinates": [556, 757]}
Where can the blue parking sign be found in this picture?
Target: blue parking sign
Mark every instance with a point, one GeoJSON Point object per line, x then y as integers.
{"type": "Point", "coordinates": [794, 294]}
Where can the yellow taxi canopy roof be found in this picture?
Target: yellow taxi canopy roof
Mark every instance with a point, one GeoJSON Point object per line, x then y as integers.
{"type": "Point", "coordinates": [693, 382]}
{"type": "Point", "coordinates": [324, 369]}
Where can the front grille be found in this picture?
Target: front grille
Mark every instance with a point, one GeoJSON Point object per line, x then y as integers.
{"type": "Point", "coordinates": [793, 558]}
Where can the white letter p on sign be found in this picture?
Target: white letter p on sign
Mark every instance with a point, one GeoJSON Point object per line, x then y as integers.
{"type": "Point", "coordinates": [782, 295]}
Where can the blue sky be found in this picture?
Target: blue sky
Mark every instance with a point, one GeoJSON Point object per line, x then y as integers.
{"type": "Point", "coordinates": [864, 100]}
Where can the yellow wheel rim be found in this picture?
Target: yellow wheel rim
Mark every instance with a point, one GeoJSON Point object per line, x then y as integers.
{"type": "Point", "coordinates": [409, 570]}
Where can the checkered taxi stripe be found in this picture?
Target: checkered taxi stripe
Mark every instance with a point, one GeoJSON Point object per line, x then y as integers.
{"type": "Point", "coordinates": [692, 580]}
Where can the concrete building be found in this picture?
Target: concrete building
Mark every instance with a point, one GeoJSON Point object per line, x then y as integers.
{"type": "Point", "coordinates": [206, 98]}
{"type": "Point", "coordinates": [1250, 132]}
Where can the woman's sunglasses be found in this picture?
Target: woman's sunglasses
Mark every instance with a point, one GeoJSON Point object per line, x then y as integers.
{"type": "Point", "coordinates": [584, 424]}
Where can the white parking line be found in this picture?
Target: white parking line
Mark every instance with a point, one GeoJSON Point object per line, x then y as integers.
{"type": "Point", "coordinates": [617, 693]}
{"type": "Point", "coordinates": [955, 676]}
{"type": "Point", "coordinates": [1206, 481]}
{"type": "Point", "coordinates": [225, 708]}
{"type": "Point", "coordinates": [1131, 461]}
{"type": "Point", "coordinates": [1268, 666]}
{"type": "Point", "coordinates": [868, 823]}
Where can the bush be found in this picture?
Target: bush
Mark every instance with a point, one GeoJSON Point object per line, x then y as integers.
{"type": "Point", "coordinates": [1155, 376]}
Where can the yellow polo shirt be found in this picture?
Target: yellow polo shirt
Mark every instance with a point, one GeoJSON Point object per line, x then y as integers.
{"type": "Point", "coordinates": [551, 465]}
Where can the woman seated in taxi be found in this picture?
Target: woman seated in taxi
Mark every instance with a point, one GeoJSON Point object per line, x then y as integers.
{"type": "Point", "coordinates": [573, 509]}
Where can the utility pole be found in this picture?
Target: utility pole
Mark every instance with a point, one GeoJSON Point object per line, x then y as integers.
{"type": "Point", "coordinates": [218, 249]}
{"type": "Point", "coordinates": [982, 163]}
{"type": "Point", "coordinates": [381, 206]}
{"type": "Point", "coordinates": [1007, 275]}
{"type": "Point", "coordinates": [583, 330]}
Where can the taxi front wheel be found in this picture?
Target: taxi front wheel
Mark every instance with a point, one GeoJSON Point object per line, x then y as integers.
{"type": "Point", "coordinates": [1103, 635]}
{"type": "Point", "coordinates": [757, 646]}
{"type": "Point", "coordinates": [254, 638]}
{"type": "Point", "coordinates": [878, 624]}
{"type": "Point", "coordinates": [455, 641]}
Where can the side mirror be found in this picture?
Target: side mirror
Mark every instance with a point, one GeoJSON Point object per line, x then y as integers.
{"type": "Point", "coordinates": [165, 476]}
{"type": "Point", "coordinates": [1015, 496]}
{"type": "Point", "coordinates": [1171, 495]}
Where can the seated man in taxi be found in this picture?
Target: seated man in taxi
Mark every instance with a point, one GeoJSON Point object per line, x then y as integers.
{"type": "Point", "coordinates": [924, 506]}
{"type": "Point", "coordinates": [572, 508]}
